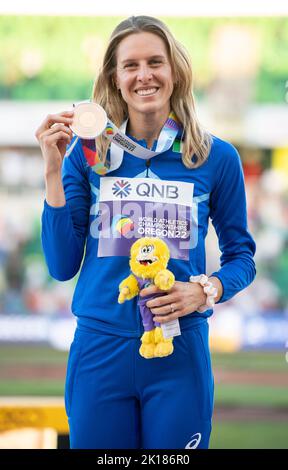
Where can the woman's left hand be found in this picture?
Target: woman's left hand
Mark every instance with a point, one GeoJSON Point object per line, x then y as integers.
{"type": "Point", "coordinates": [183, 298]}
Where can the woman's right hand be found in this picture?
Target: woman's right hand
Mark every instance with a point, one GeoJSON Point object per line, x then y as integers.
{"type": "Point", "coordinates": [53, 136]}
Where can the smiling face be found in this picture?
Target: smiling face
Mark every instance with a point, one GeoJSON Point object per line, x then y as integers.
{"type": "Point", "coordinates": [148, 257]}
{"type": "Point", "coordinates": [144, 74]}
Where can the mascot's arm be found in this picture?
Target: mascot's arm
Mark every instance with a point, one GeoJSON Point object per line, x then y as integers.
{"type": "Point", "coordinates": [128, 289]}
{"type": "Point", "coordinates": [164, 279]}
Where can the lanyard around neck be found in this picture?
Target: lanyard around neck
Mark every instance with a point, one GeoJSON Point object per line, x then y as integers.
{"type": "Point", "coordinates": [121, 143]}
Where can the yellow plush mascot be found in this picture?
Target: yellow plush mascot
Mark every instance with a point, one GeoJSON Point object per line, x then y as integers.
{"type": "Point", "coordinates": [148, 261]}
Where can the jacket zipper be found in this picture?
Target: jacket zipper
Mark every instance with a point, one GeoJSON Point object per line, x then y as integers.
{"type": "Point", "coordinates": [148, 163]}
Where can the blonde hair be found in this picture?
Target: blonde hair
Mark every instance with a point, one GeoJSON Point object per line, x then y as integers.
{"type": "Point", "coordinates": [197, 141]}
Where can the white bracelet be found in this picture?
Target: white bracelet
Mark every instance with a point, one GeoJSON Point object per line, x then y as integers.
{"type": "Point", "coordinates": [208, 288]}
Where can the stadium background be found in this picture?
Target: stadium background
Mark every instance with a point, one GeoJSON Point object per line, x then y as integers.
{"type": "Point", "coordinates": [241, 86]}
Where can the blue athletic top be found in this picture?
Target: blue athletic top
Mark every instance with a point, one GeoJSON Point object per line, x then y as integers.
{"type": "Point", "coordinates": [219, 193]}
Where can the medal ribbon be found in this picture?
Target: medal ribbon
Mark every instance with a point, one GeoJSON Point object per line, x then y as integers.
{"type": "Point", "coordinates": [121, 142]}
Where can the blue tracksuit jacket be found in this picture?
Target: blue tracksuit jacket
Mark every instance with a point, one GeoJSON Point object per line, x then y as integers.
{"type": "Point", "coordinates": [218, 193]}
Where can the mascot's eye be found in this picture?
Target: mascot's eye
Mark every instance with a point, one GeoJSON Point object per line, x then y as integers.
{"type": "Point", "coordinates": [147, 249]}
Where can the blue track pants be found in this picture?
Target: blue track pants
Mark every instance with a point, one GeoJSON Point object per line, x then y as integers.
{"type": "Point", "coordinates": [116, 399]}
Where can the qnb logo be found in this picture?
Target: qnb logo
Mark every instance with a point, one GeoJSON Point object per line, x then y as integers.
{"type": "Point", "coordinates": [157, 190]}
{"type": "Point", "coordinates": [195, 441]}
{"type": "Point", "coordinates": [121, 188]}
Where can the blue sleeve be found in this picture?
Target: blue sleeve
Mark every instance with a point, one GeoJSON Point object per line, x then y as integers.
{"type": "Point", "coordinates": [229, 218]}
{"type": "Point", "coordinates": [64, 229]}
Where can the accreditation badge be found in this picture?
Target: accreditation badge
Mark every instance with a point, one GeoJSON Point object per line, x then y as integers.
{"type": "Point", "coordinates": [131, 208]}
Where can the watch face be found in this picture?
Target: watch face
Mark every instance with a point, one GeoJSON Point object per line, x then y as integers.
{"type": "Point", "coordinates": [89, 120]}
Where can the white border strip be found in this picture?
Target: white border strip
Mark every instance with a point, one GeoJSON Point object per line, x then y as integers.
{"type": "Point", "coordinates": [205, 8]}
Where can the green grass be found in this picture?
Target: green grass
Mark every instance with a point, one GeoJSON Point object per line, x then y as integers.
{"type": "Point", "coordinates": [251, 360]}
{"type": "Point", "coordinates": [249, 435]}
{"type": "Point", "coordinates": [229, 395]}
{"type": "Point", "coordinates": [20, 355]}
{"type": "Point", "coordinates": [225, 394]}
{"type": "Point", "coordinates": [251, 395]}
{"type": "Point", "coordinates": [225, 434]}
{"type": "Point", "coordinates": [32, 388]}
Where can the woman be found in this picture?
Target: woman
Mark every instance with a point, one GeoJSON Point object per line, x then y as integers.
{"type": "Point", "coordinates": [114, 397]}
